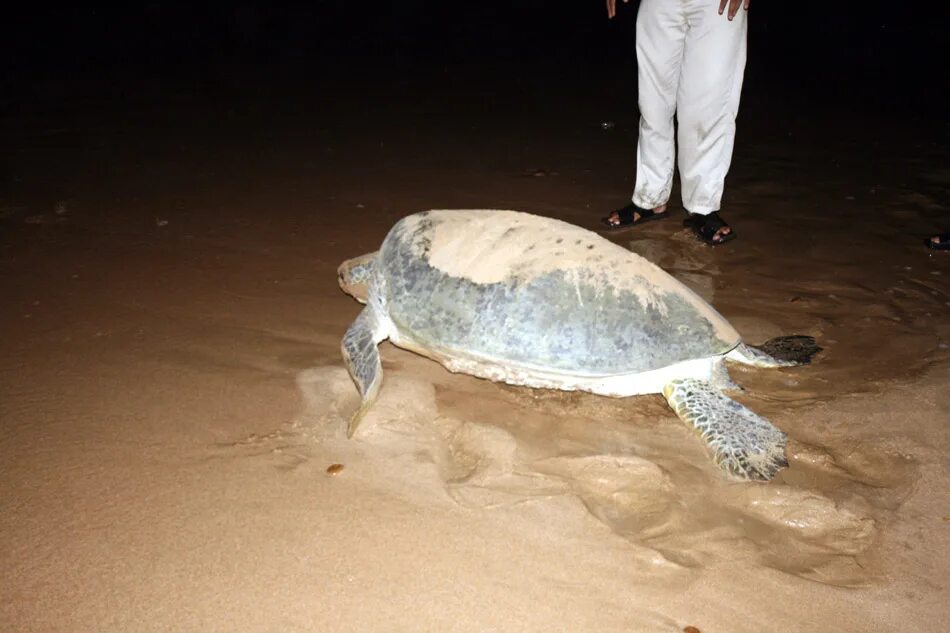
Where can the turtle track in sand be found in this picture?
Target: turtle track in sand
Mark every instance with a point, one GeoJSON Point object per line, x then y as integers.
{"type": "Point", "coordinates": [439, 438]}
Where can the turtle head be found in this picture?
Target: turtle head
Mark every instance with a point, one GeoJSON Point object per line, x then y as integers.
{"type": "Point", "coordinates": [354, 276]}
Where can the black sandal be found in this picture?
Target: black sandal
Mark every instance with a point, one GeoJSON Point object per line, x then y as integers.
{"type": "Point", "coordinates": [939, 242]}
{"type": "Point", "coordinates": [626, 219]}
{"type": "Point", "coordinates": [705, 228]}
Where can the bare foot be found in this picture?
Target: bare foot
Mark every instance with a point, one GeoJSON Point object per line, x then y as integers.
{"type": "Point", "coordinates": [710, 228]}
{"type": "Point", "coordinates": [620, 218]}
{"type": "Point", "coordinates": [940, 242]}
{"type": "Point", "coordinates": [721, 234]}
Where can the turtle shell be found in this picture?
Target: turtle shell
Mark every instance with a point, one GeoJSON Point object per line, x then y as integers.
{"type": "Point", "coordinates": [526, 291]}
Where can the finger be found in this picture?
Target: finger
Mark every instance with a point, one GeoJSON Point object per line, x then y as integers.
{"type": "Point", "coordinates": [745, 5]}
{"type": "Point", "coordinates": [722, 6]}
{"type": "Point", "coordinates": [611, 8]}
{"type": "Point", "coordinates": [733, 8]}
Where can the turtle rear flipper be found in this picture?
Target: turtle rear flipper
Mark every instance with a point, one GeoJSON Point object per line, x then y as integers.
{"type": "Point", "coordinates": [361, 356]}
{"type": "Point", "coordinates": [781, 351]}
{"type": "Point", "coordinates": [743, 443]}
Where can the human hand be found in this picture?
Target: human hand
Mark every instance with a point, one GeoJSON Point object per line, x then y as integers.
{"type": "Point", "coordinates": [733, 6]}
{"type": "Point", "coordinates": [612, 8]}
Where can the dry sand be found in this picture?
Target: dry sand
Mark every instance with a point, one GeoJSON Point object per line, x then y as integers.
{"type": "Point", "coordinates": [172, 394]}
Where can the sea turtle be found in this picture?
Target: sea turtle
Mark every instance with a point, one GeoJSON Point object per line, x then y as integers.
{"type": "Point", "coordinates": [534, 301]}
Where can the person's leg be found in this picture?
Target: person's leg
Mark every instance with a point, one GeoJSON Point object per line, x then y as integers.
{"type": "Point", "coordinates": [707, 103]}
{"type": "Point", "coordinates": [661, 33]}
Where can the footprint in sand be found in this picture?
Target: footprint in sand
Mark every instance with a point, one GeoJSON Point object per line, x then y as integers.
{"type": "Point", "coordinates": [481, 467]}
{"type": "Point", "coordinates": [809, 520]}
{"type": "Point", "coordinates": [805, 533]}
{"type": "Point", "coordinates": [632, 495]}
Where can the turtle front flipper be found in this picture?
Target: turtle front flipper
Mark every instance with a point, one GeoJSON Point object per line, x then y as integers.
{"type": "Point", "coordinates": [744, 444]}
{"type": "Point", "coordinates": [361, 355]}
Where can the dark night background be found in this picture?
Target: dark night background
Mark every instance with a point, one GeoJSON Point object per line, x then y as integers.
{"type": "Point", "coordinates": [88, 81]}
{"type": "Point", "coordinates": [865, 54]}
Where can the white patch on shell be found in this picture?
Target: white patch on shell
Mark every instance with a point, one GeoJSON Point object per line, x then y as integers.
{"type": "Point", "coordinates": [496, 246]}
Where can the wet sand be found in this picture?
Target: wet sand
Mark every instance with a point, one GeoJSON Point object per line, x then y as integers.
{"type": "Point", "coordinates": [172, 393]}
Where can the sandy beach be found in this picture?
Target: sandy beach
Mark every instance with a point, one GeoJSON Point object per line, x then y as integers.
{"type": "Point", "coordinates": [173, 400]}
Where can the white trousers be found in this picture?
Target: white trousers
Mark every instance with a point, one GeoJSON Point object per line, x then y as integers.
{"type": "Point", "coordinates": [690, 62]}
